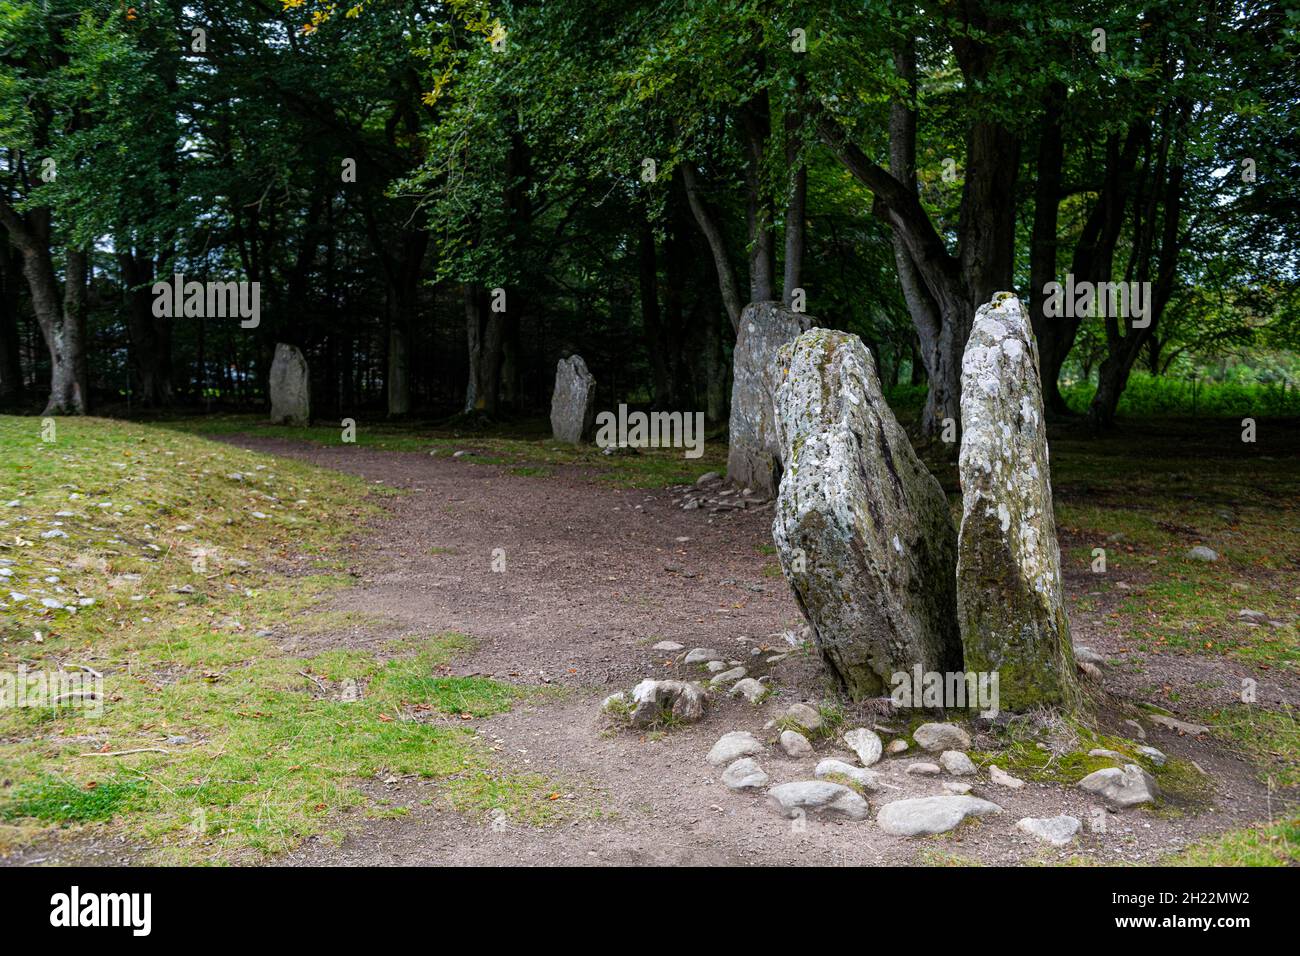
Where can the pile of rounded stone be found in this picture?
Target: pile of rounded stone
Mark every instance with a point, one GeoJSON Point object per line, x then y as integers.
{"type": "Point", "coordinates": [714, 494]}
{"type": "Point", "coordinates": [839, 784]}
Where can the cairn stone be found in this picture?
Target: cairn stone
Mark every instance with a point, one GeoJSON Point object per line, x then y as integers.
{"type": "Point", "coordinates": [754, 458]}
{"type": "Point", "coordinates": [290, 386]}
{"type": "Point", "coordinates": [1009, 595]}
{"type": "Point", "coordinates": [861, 527]}
{"type": "Point", "coordinates": [573, 403]}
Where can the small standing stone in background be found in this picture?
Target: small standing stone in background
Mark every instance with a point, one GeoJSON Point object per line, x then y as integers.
{"type": "Point", "coordinates": [290, 386]}
{"type": "Point", "coordinates": [573, 403]}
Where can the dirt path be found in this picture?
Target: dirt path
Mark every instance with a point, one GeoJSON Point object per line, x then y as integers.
{"type": "Point", "coordinates": [594, 575]}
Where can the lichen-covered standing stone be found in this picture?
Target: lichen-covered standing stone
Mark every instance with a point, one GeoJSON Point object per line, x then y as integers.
{"type": "Point", "coordinates": [290, 386]}
{"type": "Point", "coordinates": [1008, 565]}
{"type": "Point", "coordinates": [754, 456]}
{"type": "Point", "coordinates": [861, 527]}
{"type": "Point", "coordinates": [573, 403]}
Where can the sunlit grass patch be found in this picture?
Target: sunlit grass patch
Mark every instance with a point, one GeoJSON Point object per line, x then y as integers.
{"type": "Point", "coordinates": [1276, 844]}
{"type": "Point", "coordinates": [214, 744]}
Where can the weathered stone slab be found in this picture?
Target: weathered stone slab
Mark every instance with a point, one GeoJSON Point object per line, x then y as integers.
{"type": "Point", "coordinates": [922, 816]}
{"type": "Point", "coordinates": [817, 795]}
{"type": "Point", "coordinates": [754, 457]}
{"type": "Point", "coordinates": [1009, 566]}
{"type": "Point", "coordinates": [861, 527]}
{"type": "Point", "coordinates": [573, 403]}
{"type": "Point", "coordinates": [290, 386]}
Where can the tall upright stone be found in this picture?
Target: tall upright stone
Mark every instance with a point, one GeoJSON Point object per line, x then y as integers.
{"type": "Point", "coordinates": [754, 457]}
{"type": "Point", "coordinates": [862, 528]}
{"type": "Point", "coordinates": [573, 403]}
{"type": "Point", "coordinates": [290, 386]}
{"type": "Point", "coordinates": [1009, 565]}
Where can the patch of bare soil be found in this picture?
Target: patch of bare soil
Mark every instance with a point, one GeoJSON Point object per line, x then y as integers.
{"type": "Point", "coordinates": [594, 575]}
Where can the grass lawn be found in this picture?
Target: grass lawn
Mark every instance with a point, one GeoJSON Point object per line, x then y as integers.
{"type": "Point", "coordinates": [527, 448]}
{"type": "Point", "coordinates": [163, 562]}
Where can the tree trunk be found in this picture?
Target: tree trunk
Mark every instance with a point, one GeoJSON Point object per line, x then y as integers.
{"type": "Point", "coordinates": [796, 209]}
{"type": "Point", "coordinates": [1042, 249]}
{"type": "Point", "coordinates": [756, 122]}
{"type": "Point", "coordinates": [707, 219]}
{"type": "Point", "coordinates": [651, 325]}
{"type": "Point", "coordinates": [484, 335]}
{"type": "Point", "coordinates": [11, 371]}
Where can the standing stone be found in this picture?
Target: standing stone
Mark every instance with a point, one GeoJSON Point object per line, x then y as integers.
{"type": "Point", "coordinates": [290, 386]}
{"type": "Point", "coordinates": [573, 404]}
{"type": "Point", "coordinates": [754, 458]}
{"type": "Point", "coordinates": [1009, 566]}
{"type": "Point", "coordinates": [861, 527]}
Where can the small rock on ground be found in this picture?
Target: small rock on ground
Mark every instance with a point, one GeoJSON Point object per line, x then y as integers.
{"type": "Point", "coordinates": [1058, 831]}
{"type": "Point", "coordinates": [1157, 757]}
{"type": "Point", "coordinates": [923, 769]}
{"type": "Point", "coordinates": [838, 768]}
{"type": "Point", "coordinates": [733, 746]}
{"type": "Point", "coordinates": [749, 689]}
{"type": "Point", "coordinates": [795, 744]}
{"type": "Point", "coordinates": [818, 795]}
{"type": "Point", "coordinates": [865, 744]}
{"type": "Point", "coordinates": [956, 763]}
{"type": "Point", "coordinates": [745, 774]}
{"type": "Point", "coordinates": [1121, 788]}
{"type": "Point", "coordinates": [1004, 779]}
{"type": "Point", "coordinates": [941, 737]}
{"type": "Point", "coordinates": [926, 815]}
{"type": "Point", "coordinates": [805, 716]}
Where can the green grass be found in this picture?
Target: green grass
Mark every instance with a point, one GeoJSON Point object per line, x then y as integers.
{"type": "Point", "coordinates": [1275, 844]}
{"type": "Point", "coordinates": [1146, 396]}
{"type": "Point", "coordinates": [52, 800]}
{"type": "Point", "coordinates": [255, 754]}
{"type": "Point", "coordinates": [526, 449]}
{"type": "Point", "coordinates": [1270, 739]}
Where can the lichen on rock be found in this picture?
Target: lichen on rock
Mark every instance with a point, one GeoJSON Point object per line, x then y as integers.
{"type": "Point", "coordinates": [1010, 602]}
{"type": "Point", "coordinates": [754, 454]}
{"type": "Point", "coordinates": [861, 527]}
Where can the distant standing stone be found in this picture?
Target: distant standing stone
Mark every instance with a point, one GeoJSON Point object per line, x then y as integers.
{"type": "Point", "coordinates": [1009, 596]}
{"type": "Point", "coordinates": [754, 456]}
{"type": "Point", "coordinates": [290, 386]}
{"type": "Point", "coordinates": [573, 404]}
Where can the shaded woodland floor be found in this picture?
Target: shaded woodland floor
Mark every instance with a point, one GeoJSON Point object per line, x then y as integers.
{"type": "Point", "coordinates": [600, 563]}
